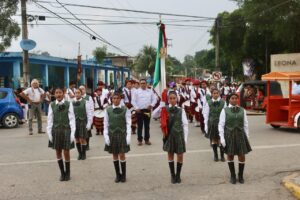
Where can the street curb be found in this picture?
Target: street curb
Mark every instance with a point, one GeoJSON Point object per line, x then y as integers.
{"type": "Point", "coordinates": [289, 183]}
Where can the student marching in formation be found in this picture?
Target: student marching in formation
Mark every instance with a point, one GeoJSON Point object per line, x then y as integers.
{"type": "Point", "coordinates": [61, 131]}
{"type": "Point", "coordinates": [196, 107]}
{"type": "Point", "coordinates": [128, 92]}
{"type": "Point", "coordinates": [83, 118]}
{"type": "Point", "coordinates": [175, 130]}
{"type": "Point", "coordinates": [89, 100]}
{"type": "Point", "coordinates": [211, 112]}
{"type": "Point", "coordinates": [101, 102]}
{"type": "Point", "coordinates": [117, 134]}
{"type": "Point", "coordinates": [234, 136]}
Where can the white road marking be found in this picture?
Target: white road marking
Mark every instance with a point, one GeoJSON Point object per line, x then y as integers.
{"type": "Point", "coordinates": [146, 155]}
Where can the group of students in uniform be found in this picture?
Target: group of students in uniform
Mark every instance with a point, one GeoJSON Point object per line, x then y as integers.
{"type": "Point", "coordinates": [225, 125]}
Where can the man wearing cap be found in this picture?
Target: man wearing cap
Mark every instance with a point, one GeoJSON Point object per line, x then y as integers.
{"type": "Point", "coordinates": [34, 96]}
{"type": "Point", "coordinates": [143, 101]}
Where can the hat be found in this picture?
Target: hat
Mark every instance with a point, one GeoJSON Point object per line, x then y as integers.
{"type": "Point", "coordinates": [196, 82]}
{"type": "Point", "coordinates": [172, 84]}
{"type": "Point", "coordinates": [101, 83]}
{"type": "Point", "coordinates": [98, 90]}
{"type": "Point", "coordinates": [204, 82]}
{"type": "Point", "coordinates": [129, 81]}
{"type": "Point", "coordinates": [187, 80]}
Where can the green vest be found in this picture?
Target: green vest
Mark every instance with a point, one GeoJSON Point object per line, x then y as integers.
{"type": "Point", "coordinates": [86, 98]}
{"type": "Point", "coordinates": [215, 110]}
{"type": "Point", "coordinates": [234, 120]}
{"type": "Point", "coordinates": [79, 109]}
{"type": "Point", "coordinates": [116, 120]}
{"type": "Point", "coordinates": [176, 115]}
{"type": "Point", "coordinates": [208, 97]}
{"type": "Point", "coordinates": [60, 114]}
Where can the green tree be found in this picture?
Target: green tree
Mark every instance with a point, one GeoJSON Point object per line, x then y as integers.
{"type": "Point", "coordinates": [205, 59]}
{"type": "Point", "coordinates": [145, 60]}
{"type": "Point", "coordinates": [188, 64]}
{"type": "Point", "coordinates": [100, 53]}
{"type": "Point", "coordinates": [9, 28]}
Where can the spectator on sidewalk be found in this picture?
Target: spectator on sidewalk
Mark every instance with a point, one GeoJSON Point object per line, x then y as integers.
{"type": "Point", "coordinates": [34, 96]}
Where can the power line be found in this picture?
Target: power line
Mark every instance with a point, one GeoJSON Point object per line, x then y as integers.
{"type": "Point", "coordinates": [119, 23]}
{"type": "Point", "coordinates": [119, 16]}
{"type": "Point", "coordinates": [124, 22]}
{"type": "Point", "coordinates": [76, 26]}
{"type": "Point", "coordinates": [104, 40]}
{"type": "Point", "coordinates": [128, 10]}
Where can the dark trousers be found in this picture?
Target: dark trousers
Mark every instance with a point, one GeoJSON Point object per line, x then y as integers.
{"type": "Point", "coordinates": [143, 120]}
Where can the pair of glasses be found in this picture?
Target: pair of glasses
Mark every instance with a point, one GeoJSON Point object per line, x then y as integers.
{"type": "Point", "coordinates": [143, 83]}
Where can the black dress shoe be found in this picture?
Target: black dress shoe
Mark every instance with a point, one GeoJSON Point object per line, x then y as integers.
{"type": "Point", "coordinates": [41, 132]}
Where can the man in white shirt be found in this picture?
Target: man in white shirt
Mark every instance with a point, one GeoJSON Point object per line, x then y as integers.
{"type": "Point", "coordinates": [296, 88]}
{"type": "Point", "coordinates": [143, 101]}
{"type": "Point", "coordinates": [34, 96]}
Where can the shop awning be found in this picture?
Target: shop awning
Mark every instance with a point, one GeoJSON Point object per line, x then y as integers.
{"type": "Point", "coordinates": [284, 76]}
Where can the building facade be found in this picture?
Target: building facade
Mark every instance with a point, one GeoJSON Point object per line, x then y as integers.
{"type": "Point", "coordinates": [55, 71]}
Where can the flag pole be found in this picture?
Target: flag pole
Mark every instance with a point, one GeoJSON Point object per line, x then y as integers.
{"type": "Point", "coordinates": [163, 54]}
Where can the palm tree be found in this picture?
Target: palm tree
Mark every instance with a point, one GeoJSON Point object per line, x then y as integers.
{"type": "Point", "coordinates": [145, 60]}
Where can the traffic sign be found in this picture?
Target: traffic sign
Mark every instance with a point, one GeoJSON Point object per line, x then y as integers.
{"type": "Point", "coordinates": [27, 44]}
{"type": "Point", "coordinates": [217, 76]}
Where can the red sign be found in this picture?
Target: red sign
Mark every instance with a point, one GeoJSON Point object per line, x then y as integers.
{"type": "Point", "coordinates": [217, 76]}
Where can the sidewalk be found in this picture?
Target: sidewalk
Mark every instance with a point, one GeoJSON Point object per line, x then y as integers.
{"type": "Point", "coordinates": [292, 183]}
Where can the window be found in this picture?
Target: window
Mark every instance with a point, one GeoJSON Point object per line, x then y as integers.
{"type": "Point", "coordinates": [3, 94]}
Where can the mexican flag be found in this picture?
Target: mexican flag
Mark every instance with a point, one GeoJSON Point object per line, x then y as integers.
{"type": "Point", "coordinates": [159, 72]}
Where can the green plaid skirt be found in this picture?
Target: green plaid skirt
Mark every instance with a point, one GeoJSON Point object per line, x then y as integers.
{"type": "Point", "coordinates": [81, 131]}
{"type": "Point", "coordinates": [237, 143]}
{"type": "Point", "coordinates": [175, 144]}
{"type": "Point", "coordinates": [118, 143]}
{"type": "Point", "coordinates": [213, 132]}
{"type": "Point", "coordinates": [61, 139]}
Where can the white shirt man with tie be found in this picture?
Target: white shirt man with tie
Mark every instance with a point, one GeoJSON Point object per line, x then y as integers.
{"type": "Point", "coordinates": [143, 101]}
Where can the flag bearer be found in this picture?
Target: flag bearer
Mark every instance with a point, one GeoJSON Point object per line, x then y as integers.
{"type": "Point", "coordinates": [175, 129]}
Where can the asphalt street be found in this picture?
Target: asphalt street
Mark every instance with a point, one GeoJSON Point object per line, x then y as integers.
{"type": "Point", "coordinates": [28, 168]}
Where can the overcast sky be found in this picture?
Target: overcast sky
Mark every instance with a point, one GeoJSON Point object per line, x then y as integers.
{"type": "Point", "coordinates": [63, 41]}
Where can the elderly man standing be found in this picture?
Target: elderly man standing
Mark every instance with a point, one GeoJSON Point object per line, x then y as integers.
{"type": "Point", "coordinates": [143, 101]}
{"type": "Point", "coordinates": [34, 96]}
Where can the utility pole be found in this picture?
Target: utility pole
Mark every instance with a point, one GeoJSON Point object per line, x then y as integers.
{"type": "Point", "coordinates": [25, 36]}
{"type": "Point", "coordinates": [217, 27]}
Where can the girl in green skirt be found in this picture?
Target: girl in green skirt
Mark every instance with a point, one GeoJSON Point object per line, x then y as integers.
{"type": "Point", "coordinates": [83, 118]}
{"type": "Point", "coordinates": [176, 137]}
{"type": "Point", "coordinates": [234, 136]}
{"type": "Point", "coordinates": [117, 134]}
{"type": "Point", "coordinates": [211, 113]}
{"type": "Point", "coordinates": [61, 131]}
